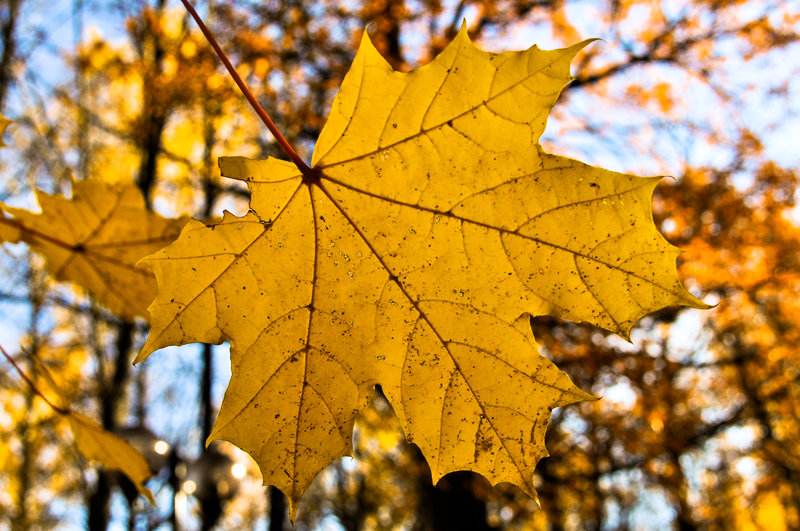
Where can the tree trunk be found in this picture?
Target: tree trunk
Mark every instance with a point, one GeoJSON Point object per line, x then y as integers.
{"type": "Point", "coordinates": [7, 29]}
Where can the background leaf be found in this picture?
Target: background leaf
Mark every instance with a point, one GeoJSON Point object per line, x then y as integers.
{"type": "Point", "coordinates": [95, 239]}
{"type": "Point", "coordinates": [113, 452]}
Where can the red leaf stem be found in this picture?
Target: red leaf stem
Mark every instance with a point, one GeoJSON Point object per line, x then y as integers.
{"type": "Point", "coordinates": [35, 389]}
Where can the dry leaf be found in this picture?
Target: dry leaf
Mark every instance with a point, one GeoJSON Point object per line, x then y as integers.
{"type": "Point", "coordinates": [92, 441]}
{"type": "Point", "coordinates": [111, 451]}
{"type": "Point", "coordinates": [431, 226]}
{"type": "Point", "coordinates": [95, 239]}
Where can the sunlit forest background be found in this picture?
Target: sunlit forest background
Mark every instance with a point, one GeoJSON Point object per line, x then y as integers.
{"type": "Point", "coordinates": [698, 423]}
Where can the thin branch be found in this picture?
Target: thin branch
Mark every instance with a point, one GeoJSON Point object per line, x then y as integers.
{"type": "Point", "coordinates": [287, 148]}
{"type": "Point", "coordinates": [32, 385]}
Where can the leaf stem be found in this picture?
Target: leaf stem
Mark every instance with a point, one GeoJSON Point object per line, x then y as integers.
{"type": "Point", "coordinates": [287, 148]}
{"type": "Point", "coordinates": [35, 389]}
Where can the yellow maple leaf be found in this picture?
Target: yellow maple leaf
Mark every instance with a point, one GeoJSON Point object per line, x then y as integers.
{"type": "Point", "coordinates": [430, 226]}
{"type": "Point", "coordinates": [92, 441]}
{"type": "Point", "coordinates": [111, 451]}
{"type": "Point", "coordinates": [95, 239]}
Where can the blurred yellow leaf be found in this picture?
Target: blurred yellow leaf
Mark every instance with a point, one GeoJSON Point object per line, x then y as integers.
{"type": "Point", "coordinates": [112, 451]}
{"type": "Point", "coordinates": [4, 122]}
{"type": "Point", "coordinates": [95, 239]}
{"type": "Point", "coordinates": [10, 233]}
{"type": "Point", "coordinates": [431, 226]}
{"type": "Point", "coordinates": [93, 442]}
{"type": "Point", "coordinates": [770, 513]}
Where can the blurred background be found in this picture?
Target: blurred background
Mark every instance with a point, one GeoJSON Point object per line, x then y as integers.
{"type": "Point", "coordinates": [698, 425]}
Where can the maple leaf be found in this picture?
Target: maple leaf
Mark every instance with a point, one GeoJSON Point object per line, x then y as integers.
{"type": "Point", "coordinates": [429, 227]}
{"type": "Point", "coordinates": [92, 441]}
{"type": "Point", "coordinates": [95, 239]}
{"type": "Point", "coordinates": [111, 451]}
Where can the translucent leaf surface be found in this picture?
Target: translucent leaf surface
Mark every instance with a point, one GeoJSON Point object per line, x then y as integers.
{"type": "Point", "coordinates": [431, 227]}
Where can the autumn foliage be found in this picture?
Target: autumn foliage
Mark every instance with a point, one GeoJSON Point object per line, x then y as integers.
{"type": "Point", "coordinates": [409, 254]}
